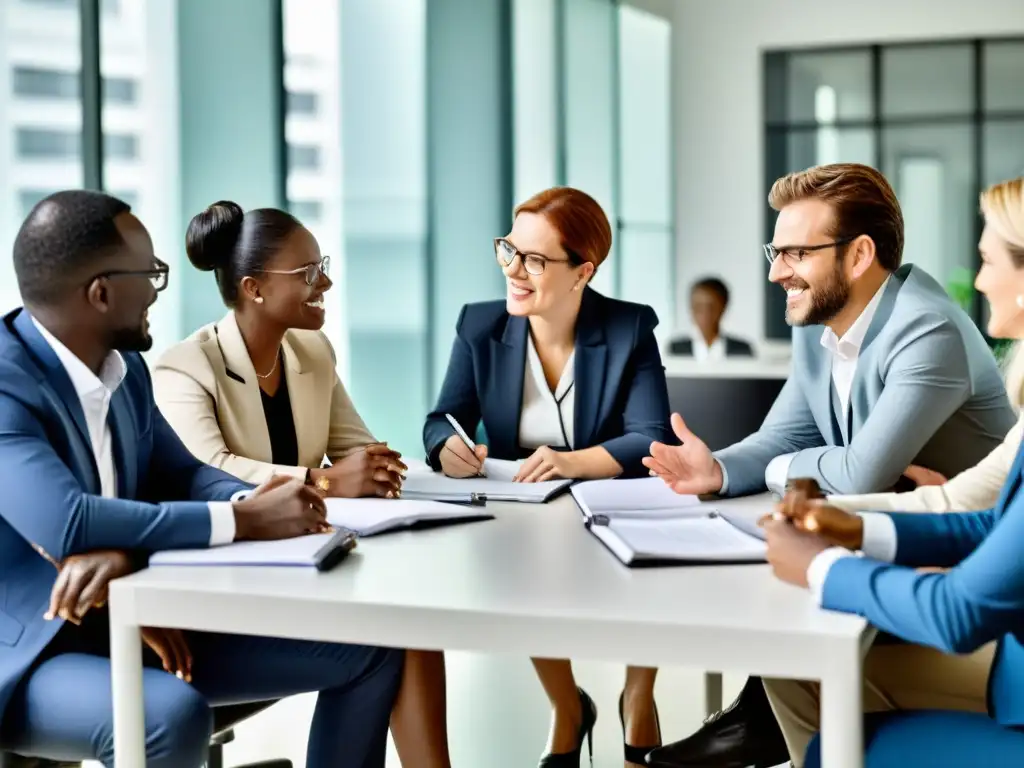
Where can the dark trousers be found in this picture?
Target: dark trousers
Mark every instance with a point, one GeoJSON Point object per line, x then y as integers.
{"type": "Point", "coordinates": [63, 710]}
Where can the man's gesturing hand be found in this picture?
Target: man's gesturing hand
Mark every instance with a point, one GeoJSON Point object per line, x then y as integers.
{"type": "Point", "coordinates": [688, 468]}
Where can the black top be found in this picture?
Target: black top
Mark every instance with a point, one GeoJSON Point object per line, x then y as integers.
{"type": "Point", "coordinates": [284, 446]}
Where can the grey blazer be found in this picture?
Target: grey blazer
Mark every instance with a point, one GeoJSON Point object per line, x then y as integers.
{"type": "Point", "coordinates": [927, 391]}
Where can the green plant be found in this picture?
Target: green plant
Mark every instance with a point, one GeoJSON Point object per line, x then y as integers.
{"type": "Point", "coordinates": [960, 287]}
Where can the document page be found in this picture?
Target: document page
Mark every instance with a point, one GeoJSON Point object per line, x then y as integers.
{"type": "Point", "coordinates": [367, 517]}
{"type": "Point", "coordinates": [640, 498]}
{"type": "Point", "coordinates": [705, 538]}
{"type": "Point", "coordinates": [501, 469]}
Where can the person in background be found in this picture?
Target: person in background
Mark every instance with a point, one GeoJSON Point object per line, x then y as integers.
{"type": "Point", "coordinates": [709, 299]}
{"type": "Point", "coordinates": [570, 381]}
{"type": "Point", "coordinates": [887, 372]}
{"type": "Point", "coordinates": [950, 695]}
{"type": "Point", "coordinates": [256, 394]}
{"type": "Point", "coordinates": [94, 480]}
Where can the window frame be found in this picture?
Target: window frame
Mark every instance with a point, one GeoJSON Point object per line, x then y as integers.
{"type": "Point", "coordinates": [777, 132]}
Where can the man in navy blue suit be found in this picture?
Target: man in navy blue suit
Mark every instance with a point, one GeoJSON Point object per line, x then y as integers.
{"type": "Point", "coordinates": [957, 697]}
{"type": "Point", "coordinates": [93, 480]}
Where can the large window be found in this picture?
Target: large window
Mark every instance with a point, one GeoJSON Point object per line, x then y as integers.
{"type": "Point", "coordinates": [312, 80]}
{"type": "Point", "coordinates": [139, 68]}
{"type": "Point", "coordinates": [645, 230]}
{"type": "Point", "coordinates": [941, 120]}
{"type": "Point", "coordinates": [40, 141]}
{"type": "Point", "coordinates": [592, 109]}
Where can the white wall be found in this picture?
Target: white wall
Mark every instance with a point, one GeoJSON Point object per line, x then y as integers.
{"type": "Point", "coordinates": [719, 123]}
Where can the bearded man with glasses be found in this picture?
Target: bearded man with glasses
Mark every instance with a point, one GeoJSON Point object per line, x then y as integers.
{"type": "Point", "coordinates": [887, 372]}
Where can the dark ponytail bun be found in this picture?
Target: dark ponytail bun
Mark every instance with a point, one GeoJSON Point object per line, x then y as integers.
{"type": "Point", "coordinates": [213, 235]}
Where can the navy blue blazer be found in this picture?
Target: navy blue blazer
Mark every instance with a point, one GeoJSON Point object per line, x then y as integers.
{"type": "Point", "coordinates": [980, 599]}
{"type": "Point", "coordinates": [51, 487]}
{"type": "Point", "coordinates": [621, 400]}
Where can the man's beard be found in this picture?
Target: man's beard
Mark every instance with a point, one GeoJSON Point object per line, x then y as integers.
{"type": "Point", "coordinates": [827, 301]}
{"type": "Point", "coordinates": [131, 340]}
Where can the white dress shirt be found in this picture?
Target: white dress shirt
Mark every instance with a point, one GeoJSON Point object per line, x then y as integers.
{"type": "Point", "coordinates": [703, 351]}
{"type": "Point", "coordinates": [845, 352]}
{"type": "Point", "coordinates": [546, 417]}
{"type": "Point", "coordinates": [94, 393]}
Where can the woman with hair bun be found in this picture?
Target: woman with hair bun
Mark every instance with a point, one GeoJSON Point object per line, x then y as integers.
{"type": "Point", "coordinates": [257, 395]}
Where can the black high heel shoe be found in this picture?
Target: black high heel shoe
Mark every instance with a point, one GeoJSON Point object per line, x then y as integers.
{"type": "Point", "coordinates": [637, 755]}
{"type": "Point", "coordinates": [586, 732]}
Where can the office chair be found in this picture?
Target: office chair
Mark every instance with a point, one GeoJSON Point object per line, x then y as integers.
{"type": "Point", "coordinates": [224, 720]}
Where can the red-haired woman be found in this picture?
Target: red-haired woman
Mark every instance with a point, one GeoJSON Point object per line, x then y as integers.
{"type": "Point", "coordinates": [572, 382]}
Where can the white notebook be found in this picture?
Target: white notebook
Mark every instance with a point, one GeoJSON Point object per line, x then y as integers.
{"type": "Point", "coordinates": [644, 522]}
{"type": "Point", "coordinates": [368, 517]}
{"type": "Point", "coordinates": [647, 497]}
{"type": "Point", "coordinates": [299, 551]}
{"type": "Point", "coordinates": [681, 541]}
{"type": "Point", "coordinates": [439, 487]}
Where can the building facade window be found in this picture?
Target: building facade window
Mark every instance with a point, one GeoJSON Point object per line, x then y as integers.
{"type": "Point", "coordinates": [306, 211]}
{"type": "Point", "coordinates": [47, 144]}
{"type": "Point", "coordinates": [302, 103]}
{"type": "Point", "coordinates": [941, 120]}
{"type": "Point", "coordinates": [55, 144]}
{"type": "Point", "coordinates": [41, 83]}
{"type": "Point", "coordinates": [305, 157]}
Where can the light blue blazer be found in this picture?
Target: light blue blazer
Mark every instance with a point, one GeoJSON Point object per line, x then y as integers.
{"type": "Point", "coordinates": [51, 486]}
{"type": "Point", "coordinates": [927, 391]}
{"type": "Point", "coordinates": [980, 599]}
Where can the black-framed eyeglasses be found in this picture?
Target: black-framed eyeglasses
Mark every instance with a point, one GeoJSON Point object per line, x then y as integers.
{"type": "Point", "coordinates": [312, 272]}
{"type": "Point", "coordinates": [794, 254]}
{"type": "Point", "coordinates": [158, 275]}
{"type": "Point", "coordinates": [533, 262]}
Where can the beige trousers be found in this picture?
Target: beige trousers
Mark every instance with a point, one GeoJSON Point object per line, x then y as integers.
{"type": "Point", "coordinates": [895, 677]}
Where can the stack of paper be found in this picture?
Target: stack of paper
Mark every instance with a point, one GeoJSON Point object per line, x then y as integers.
{"type": "Point", "coordinates": [643, 522]}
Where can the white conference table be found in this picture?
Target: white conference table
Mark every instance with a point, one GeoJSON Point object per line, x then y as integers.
{"type": "Point", "coordinates": [531, 582]}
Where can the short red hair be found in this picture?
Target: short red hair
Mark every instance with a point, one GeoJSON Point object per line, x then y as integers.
{"type": "Point", "coordinates": [579, 219]}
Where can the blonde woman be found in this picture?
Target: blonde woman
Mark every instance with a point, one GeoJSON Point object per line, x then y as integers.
{"type": "Point", "coordinates": [974, 488]}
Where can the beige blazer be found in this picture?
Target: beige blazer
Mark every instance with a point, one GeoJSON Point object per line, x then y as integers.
{"type": "Point", "coordinates": [973, 489]}
{"type": "Point", "coordinates": [207, 390]}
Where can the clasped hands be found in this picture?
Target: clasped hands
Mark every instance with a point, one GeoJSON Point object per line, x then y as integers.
{"type": "Point", "coordinates": [376, 470]}
{"type": "Point", "coordinates": [803, 526]}
{"type": "Point", "coordinates": [545, 463]}
{"type": "Point", "coordinates": [82, 584]}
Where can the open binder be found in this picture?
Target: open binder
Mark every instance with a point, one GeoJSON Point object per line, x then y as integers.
{"type": "Point", "coordinates": [644, 523]}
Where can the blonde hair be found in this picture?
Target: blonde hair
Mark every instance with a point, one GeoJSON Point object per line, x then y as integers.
{"type": "Point", "coordinates": [1003, 207]}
